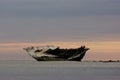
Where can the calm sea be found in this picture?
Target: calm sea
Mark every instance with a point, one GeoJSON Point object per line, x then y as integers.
{"type": "Point", "coordinates": [33, 70]}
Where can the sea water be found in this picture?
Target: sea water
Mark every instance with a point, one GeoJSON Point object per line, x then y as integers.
{"type": "Point", "coordinates": [58, 70]}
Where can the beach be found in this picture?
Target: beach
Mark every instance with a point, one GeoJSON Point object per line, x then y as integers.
{"type": "Point", "coordinates": [58, 70]}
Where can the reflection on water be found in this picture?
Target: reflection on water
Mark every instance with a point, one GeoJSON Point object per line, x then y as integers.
{"type": "Point", "coordinates": [33, 70]}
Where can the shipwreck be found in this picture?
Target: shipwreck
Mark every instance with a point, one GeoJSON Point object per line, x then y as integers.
{"type": "Point", "coordinates": [54, 53]}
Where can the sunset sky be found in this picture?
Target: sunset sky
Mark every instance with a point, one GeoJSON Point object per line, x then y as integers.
{"type": "Point", "coordinates": [64, 23]}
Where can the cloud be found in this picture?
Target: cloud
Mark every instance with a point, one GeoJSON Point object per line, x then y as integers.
{"type": "Point", "coordinates": [59, 29]}
{"type": "Point", "coordinates": [59, 8]}
{"type": "Point", "coordinates": [59, 20]}
{"type": "Point", "coordinates": [1, 34]}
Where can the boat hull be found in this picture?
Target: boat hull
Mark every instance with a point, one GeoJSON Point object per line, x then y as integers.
{"type": "Point", "coordinates": [57, 54]}
{"type": "Point", "coordinates": [46, 58]}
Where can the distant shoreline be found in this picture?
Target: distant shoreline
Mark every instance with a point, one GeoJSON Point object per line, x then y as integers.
{"type": "Point", "coordinates": [104, 61]}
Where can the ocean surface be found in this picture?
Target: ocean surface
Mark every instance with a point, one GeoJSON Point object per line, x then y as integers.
{"type": "Point", "coordinates": [58, 70]}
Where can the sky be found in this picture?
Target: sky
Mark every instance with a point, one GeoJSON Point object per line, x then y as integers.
{"type": "Point", "coordinates": [67, 23]}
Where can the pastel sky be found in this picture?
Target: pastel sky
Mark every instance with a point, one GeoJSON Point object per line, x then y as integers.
{"type": "Point", "coordinates": [67, 23]}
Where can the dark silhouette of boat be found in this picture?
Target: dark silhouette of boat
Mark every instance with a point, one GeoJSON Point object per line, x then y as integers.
{"type": "Point", "coordinates": [52, 53]}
